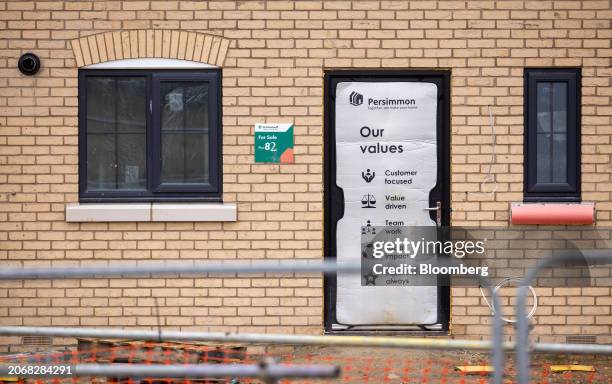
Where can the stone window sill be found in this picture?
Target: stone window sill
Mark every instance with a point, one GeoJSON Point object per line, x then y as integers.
{"type": "Point", "coordinates": [111, 212]}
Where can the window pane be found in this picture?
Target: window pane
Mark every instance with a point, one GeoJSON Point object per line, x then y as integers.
{"type": "Point", "coordinates": [131, 161]}
{"type": "Point", "coordinates": [173, 163]}
{"type": "Point", "coordinates": [131, 109]}
{"type": "Point", "coordinates": [173, 103]}
{"type": "Point", "coordinates": [100, 104]}
{"type": "Point", "coordinates": [544, 173]}
{"type": "Point", "coordinates": [559, 122]}
{"type": "Point", "coordinates": [544, 93]}
{"type": "Point", "coordinates": [196, 105]}
{"type": "Point", "coordinates": [116, 133]}
{"type": "Point", "coordinates": [184, 130]}
{"type": "Point", "coordinates": [185, 161]}
{"type": "Point", "coordinates": [559, 126]}
{"type": "Point", "coordinates": [101, 171]}
{"type": "Point", "coordinates": [559, 165]}
{"type": "Point", "coordinates": [552, 132]}
{"type": "Point", "coordinates": [196, 166]}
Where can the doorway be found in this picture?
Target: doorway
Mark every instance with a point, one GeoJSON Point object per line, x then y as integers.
{"type": "Point", "coordinates": [386, 162]}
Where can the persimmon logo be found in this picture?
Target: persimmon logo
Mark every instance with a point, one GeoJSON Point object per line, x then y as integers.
{"type": "Point", "coordinates": [356, 98]}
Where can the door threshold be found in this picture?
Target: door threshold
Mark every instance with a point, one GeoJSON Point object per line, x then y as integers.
{"type": "Point", "coordinates": [388, 330]}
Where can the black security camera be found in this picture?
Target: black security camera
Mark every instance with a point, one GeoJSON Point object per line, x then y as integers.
{"type": "Point", "coordinates": [28, 64]}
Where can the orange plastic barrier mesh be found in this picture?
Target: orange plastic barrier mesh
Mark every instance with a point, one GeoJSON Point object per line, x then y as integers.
{"type": "Point", "coordinates": [358, 365]}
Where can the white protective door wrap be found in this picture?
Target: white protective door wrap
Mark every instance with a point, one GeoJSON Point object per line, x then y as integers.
{"type": "Point", "coordinates": [386, 166]}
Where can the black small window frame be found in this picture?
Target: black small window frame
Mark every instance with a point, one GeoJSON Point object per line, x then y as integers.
{"type": "Point", "coordinates": [552, 192]}
{"type": "Point", "coordinates": [157, 192]}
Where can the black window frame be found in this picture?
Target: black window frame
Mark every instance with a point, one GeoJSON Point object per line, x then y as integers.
{"type": "Point", "coordinates": [156, 191]}
{"type": "Point", "coordinates": [569, 191]}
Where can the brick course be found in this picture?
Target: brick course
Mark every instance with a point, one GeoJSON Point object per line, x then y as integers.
{"type": "Point", "coordinates": [273, 55]}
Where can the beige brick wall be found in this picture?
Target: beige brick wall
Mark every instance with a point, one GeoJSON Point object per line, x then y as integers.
{"type": "Point", "coordinates": [276, 54]}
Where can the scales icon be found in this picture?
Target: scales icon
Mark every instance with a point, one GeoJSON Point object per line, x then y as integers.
{"type": "Point", "coordinates": [368, 201]}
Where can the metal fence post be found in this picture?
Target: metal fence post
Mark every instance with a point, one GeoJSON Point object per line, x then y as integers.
{"type": "Point", "coordinates": [592, 257]}
{"type": "Point", "coordinates": [497, 337]}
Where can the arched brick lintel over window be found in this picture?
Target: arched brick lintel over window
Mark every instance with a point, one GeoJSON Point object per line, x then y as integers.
{"type": "Point", "coordinates": [150, 43]}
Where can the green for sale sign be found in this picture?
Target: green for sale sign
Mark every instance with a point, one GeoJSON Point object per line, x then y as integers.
{"type": "Point", "coordinates": [274, 143]}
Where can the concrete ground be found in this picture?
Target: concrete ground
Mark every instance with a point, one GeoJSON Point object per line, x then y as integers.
{"type": "Point", "coordinates": [393, 366]}
{"type": "Point", "coordinates": [358, 365]}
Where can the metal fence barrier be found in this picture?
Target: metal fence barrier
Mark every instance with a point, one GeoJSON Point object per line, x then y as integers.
{"type": "Point", "coordinates": [182, 268]}
{"type": "Point", "coordinates": [496, 345]}
{"type": "Point", "coordinates": [268, 373]}
{"type": "Point", "coordinates": [275, 267]}
{"type": "Point", "coordinates": [570, 258]}
{"type": "Point", "coordinates": [288, 339]}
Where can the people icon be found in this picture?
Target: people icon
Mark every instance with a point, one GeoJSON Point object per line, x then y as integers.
{"type": "Point", "coordinates": [368, 175]}
{"type": "Point", "coordinates": [368, 229]}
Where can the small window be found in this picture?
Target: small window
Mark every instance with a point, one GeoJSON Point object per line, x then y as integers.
{"type": "Point", "coordinates": [149, 135]}
{"type": "Point", "coordinates": [552, 134]}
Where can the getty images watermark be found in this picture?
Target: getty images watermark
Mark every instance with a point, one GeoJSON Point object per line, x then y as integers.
{"type": "Point", "coordinates": [433, 256]}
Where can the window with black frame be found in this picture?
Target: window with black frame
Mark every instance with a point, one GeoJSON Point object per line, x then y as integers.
{"type": "Point", "coordinates": [552, 134]}
{"type": "Point", "coordinates": [149, 135]}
